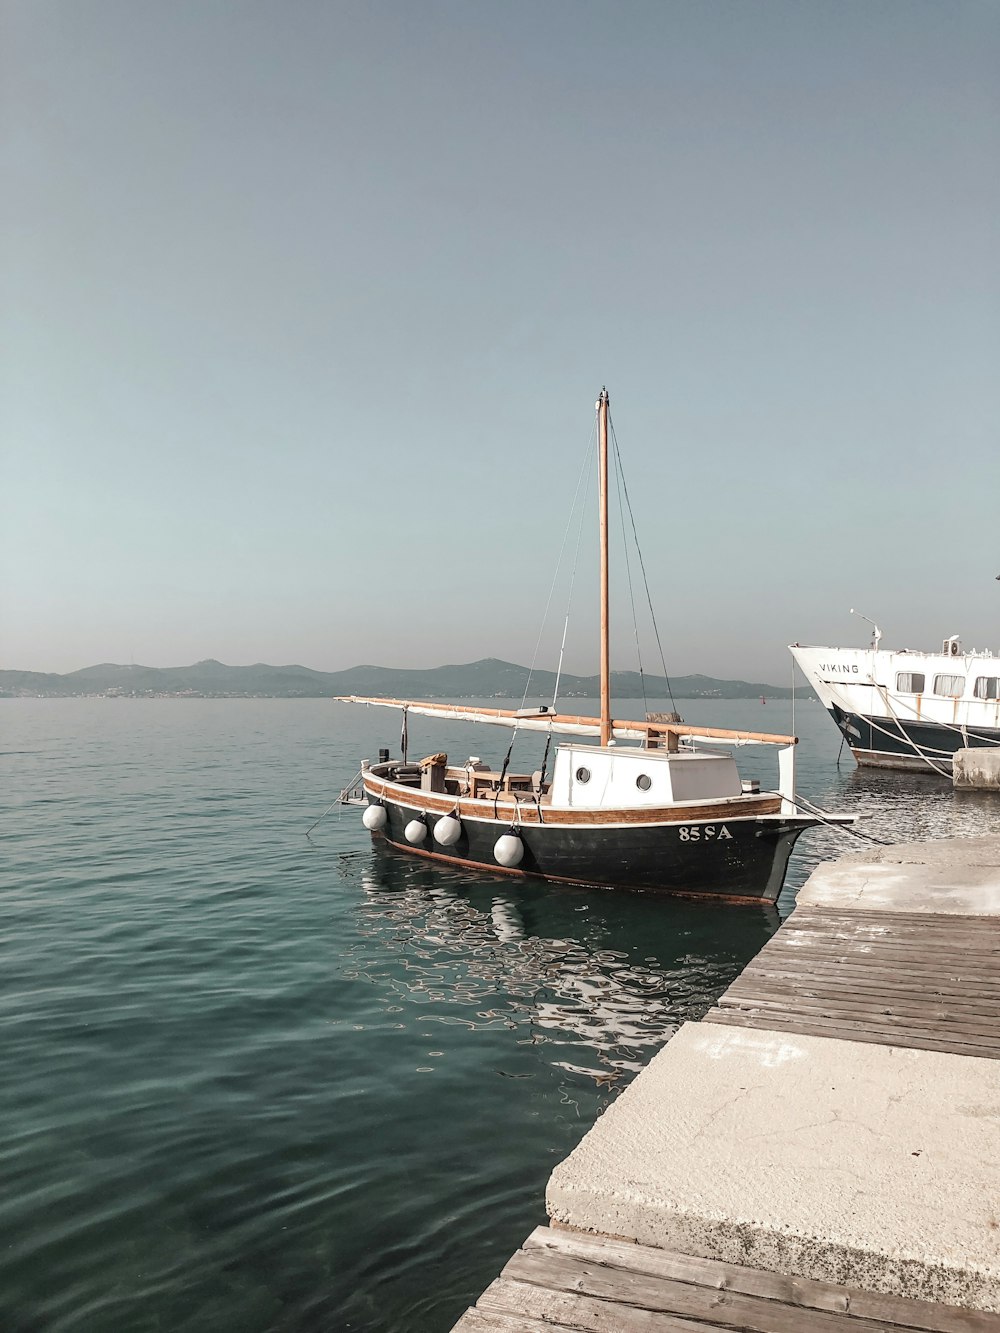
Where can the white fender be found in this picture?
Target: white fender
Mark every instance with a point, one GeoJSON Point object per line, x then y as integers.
{"type": "Point", "coordinates": [415, 831]}
{"type": "Point", "coordinates": [508, 850]}
{"type": "Point", "coordinates": [374, 818]}
{"type": "Point", "coordinates": [447, 831]}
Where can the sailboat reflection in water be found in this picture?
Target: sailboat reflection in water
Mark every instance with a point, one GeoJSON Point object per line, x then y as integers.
{"type": "Point", "coordinates": [600, 983]}
{"type": "Point", "coordinates": [669, 814]}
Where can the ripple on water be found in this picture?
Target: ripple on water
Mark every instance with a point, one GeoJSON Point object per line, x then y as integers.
{"type": "Point", "coordinates": [250, 1080]}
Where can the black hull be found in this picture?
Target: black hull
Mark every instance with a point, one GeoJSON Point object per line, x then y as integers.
{"type": "Point", "coordinates": [741, 859]}
{"type": "Point", "coordinates": [880, 742]}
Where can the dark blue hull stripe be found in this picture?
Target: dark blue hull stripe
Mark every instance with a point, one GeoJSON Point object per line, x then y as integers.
{"type": "Point", "coordinates": [909, 740]}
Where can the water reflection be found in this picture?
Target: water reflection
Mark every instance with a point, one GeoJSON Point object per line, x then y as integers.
{"type": "Point", "coordinates": [599, 980]}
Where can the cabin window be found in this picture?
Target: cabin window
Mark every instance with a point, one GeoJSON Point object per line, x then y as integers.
{"type": "Point", "coordinates": [583, 774]}
{"type": "Point", "coordinates": [950, 685]}
{"type": "Point", "coordinates": [988, 687]}
{"type": "Point", "coordinates": [910, 682]}
{"type": "Point", "coordinates": [644, 782]}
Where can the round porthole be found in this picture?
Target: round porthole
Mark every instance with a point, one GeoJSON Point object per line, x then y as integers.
{"type": "Point", "coordinates": [644, 782]}
{"type": "Point", "coordinates": [583, 775]}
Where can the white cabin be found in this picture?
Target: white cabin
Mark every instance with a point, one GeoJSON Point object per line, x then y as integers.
{"type": "Point", "coordinates": [592, 777]}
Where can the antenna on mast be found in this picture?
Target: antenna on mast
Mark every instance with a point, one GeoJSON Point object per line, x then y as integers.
{"type": "Point", "coordinates": [876, 636]}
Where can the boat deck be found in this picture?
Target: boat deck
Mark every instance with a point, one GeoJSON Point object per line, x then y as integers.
{"type": "Point", "coordinates": [562, 1280]}
{"type": "Point", "coordinates": [475, 784]}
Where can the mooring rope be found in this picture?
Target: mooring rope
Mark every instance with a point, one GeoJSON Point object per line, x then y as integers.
{"type": "Point", "coordinates": [924, 753]}
{"type": "Point", "coordinates": [820, 815]}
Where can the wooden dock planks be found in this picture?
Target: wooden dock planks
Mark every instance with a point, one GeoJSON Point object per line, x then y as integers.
{"type": "Point", "coordinates": [564, 1280]}
{"type": "Point", "coordinates": [906, 979]}
{"type": "Point", "coordinates": [893, 978]}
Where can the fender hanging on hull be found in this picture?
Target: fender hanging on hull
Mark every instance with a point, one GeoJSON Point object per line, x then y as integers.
{"type": "Point", "coordinates": [741, 858]}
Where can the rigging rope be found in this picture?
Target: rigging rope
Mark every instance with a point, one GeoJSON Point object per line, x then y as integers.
{"type": "Point", "coordinates": [585, 473]}
{"type": "Point", "coordinates": [829, 823]}
{"type": "Point", "coordinates": [583, 480]}
{"type": "Point", "coordinates": [963, 729]}
{"type": "Point", "coordinates": [628, 575]}
{"type": "Point", "coordinates": [591, 458]}
{"type": "Point", "coordinates": [503, 771]}
{"type": "Point", "coordinates": [642, 566]}
{"type": "Point", "coordinates": [922, 752]}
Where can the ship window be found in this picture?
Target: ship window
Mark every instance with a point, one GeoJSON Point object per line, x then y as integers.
{"type": "Point", "coordinates": [910, 682]}
{"type": "Point", "coordinates": [950, 685]}
{"type": "Point", "coordinates": [583, 774]}
{"type": "Point", "coordinates": [644, 782]}
{"type": "Point", "coordinates": [988, 687]}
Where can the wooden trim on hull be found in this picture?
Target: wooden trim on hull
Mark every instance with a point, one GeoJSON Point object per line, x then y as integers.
{"type": "Point", "coordinates": [457, 863]}
{"type": "Point", "coordinates": [527, 812]}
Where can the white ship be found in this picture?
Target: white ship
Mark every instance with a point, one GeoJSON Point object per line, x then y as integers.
{"type": "Point", "coordinates": [907, 709]}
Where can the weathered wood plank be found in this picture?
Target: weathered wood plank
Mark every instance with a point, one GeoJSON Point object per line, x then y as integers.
{"type": "Point", "coordinates": [815, 942]}
{"type": "Point", "coordinates": [981, 1033]}
{"type": "Point", "coordinates": [591, 1297]}
{"type": "Point", "coordinates": [859, 909]}
{"type": "Point", "coordinates": [933, 1012]}
{"type": "Point", "coordinates": [827, 920]}
{"type": "Point", "coordinates": [958, 960]}
{"type": "Point", "coordinates": [845, 1031]}
{"type": "Point", "coordinates": [911, 981]}
{"type": "Point", "coordinates": [982, 940]}
{"type": "Point", "coordinates": [952, 952]}
{"type": "Point", "coordinates": [794, 1291]}
{"type": "Point", "coordinates": [804, 969]}
{"type": "Point", "coordinates": [936, 995]}
{"type": "Point", "coordinates": [912, 996]}
{"type": "Point", "coordinates": [810, 911]}
{"type": "Point", "coordinates": [583, 1313]}
{"type": "Point", "coordinates": [709, 1273]}
{"type": "Point", "coordinates": [828, 917]}
{"type": "Point", "coordinates": [977, 1039]}
{"type": "Point", "coordinates": [501, 1321]}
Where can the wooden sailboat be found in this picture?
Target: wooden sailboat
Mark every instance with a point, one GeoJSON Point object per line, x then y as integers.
{"type": "Point", "coordinates": [669, 814]}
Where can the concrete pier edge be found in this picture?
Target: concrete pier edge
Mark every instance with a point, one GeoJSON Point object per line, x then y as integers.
{"type": "Point", "coordinates": [872, 1166]}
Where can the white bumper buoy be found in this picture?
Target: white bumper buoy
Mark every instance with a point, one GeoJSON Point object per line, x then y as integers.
{"type": "Point", "coordinates": [415, 831]}
{"type": "Point", "coordinates": [447, 831]}
{"type": "Point", "coordinates": [508, 850]}
{"type": "Point", "coordinates": [374, 818]}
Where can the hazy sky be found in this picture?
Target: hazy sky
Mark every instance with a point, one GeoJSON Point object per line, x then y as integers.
{"type": "Point", "coordinates": [305, 308]}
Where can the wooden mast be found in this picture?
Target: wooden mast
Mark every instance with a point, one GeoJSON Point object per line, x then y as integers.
{"type": "Point", "coordinates": [602, 420]}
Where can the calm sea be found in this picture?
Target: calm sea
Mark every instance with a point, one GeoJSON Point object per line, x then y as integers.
{"type": "Point", "coordinates": [252, 1080]}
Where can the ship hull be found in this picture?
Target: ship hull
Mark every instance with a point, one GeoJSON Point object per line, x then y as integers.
{"type": "Point", "coordinates": [734, 858]}
{"type": "Point", "coordinates": [884, 742]}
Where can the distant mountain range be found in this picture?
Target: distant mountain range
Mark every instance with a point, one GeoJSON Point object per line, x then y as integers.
{"type": "Point", "coordinates": [489, 678]}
